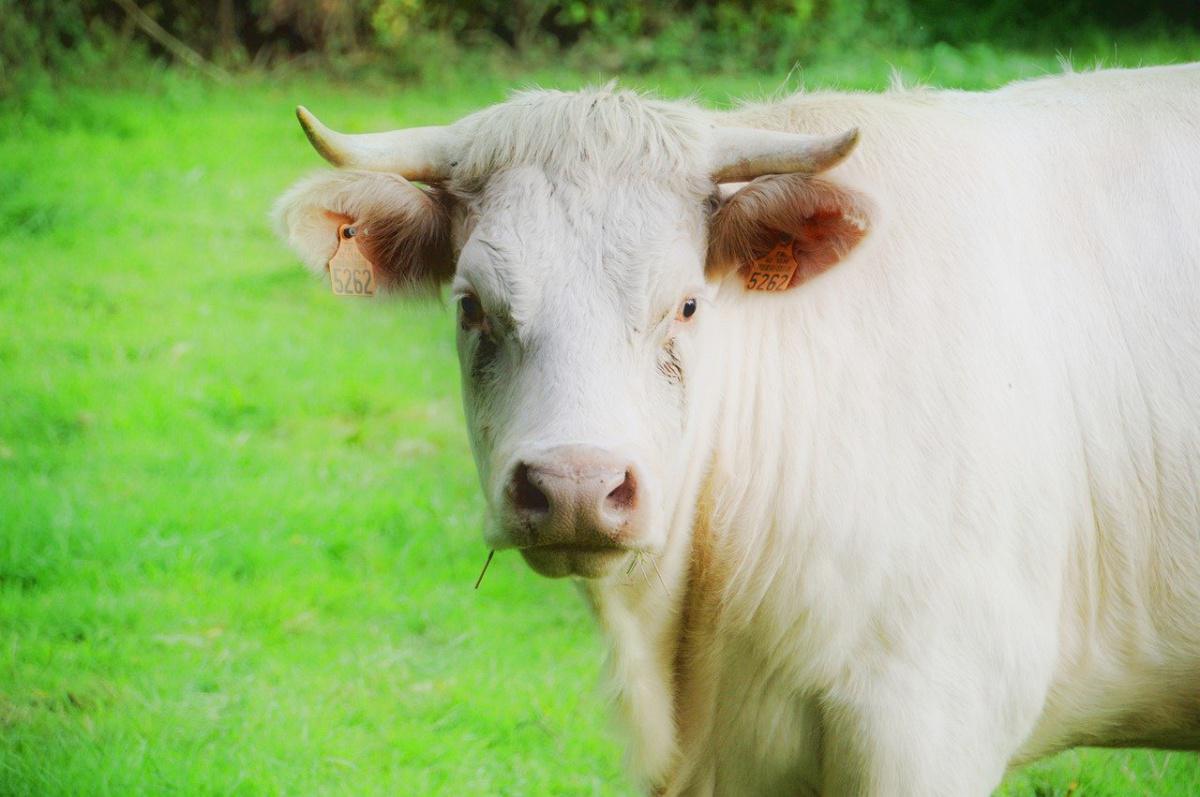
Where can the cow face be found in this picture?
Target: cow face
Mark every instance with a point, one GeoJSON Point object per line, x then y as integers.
{"type": "Point", "coordinates": [582, 314]}
{"type": "Point", "coordinates": [583, 237]}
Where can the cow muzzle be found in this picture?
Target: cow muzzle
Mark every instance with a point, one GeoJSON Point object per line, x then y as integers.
{"type": "Point", "coordinates": [573, 509]}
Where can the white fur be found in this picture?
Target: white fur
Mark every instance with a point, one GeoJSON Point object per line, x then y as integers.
{"type": "Point", "coordinates": [950, 487]}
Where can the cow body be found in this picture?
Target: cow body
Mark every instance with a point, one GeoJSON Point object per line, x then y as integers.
{"type": "Point", "coordinates": [952, 521]}
{"type": "Point", "coordinates": [937, 511]}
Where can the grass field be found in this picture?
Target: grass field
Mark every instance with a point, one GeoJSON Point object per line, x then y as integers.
{"type": "Point", "coordinates": [238, 517]}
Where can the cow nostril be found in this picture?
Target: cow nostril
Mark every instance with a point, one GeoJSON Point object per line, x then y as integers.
{"type": "Point", "coordinates": [526, 497]}
{"type": "Point", "coordinates": [624, 494]}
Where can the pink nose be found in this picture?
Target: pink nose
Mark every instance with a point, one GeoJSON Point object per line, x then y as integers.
{"type": "Point", "coordinates": [573, 495]}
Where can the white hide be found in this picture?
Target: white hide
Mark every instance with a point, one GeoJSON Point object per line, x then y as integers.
{"type": "Point", "coordinates": [947, 492]}
{"type": "Point", "coordinates": [955, 477]}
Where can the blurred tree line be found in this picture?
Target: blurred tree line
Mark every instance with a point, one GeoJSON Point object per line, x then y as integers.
{"type": "Point", "coordinates": [69, 38]}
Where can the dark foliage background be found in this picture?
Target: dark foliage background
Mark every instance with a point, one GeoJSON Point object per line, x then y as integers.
{"type": "Point", "coordinates": [72, 39]}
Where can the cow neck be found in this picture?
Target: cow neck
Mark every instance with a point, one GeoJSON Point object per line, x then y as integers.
{"type": "Point", "coordinates": [656, 621]}
{"type": "Point", "coordinates": [664, 645]}
{"type": "Point", "coordinates": [641, 618]}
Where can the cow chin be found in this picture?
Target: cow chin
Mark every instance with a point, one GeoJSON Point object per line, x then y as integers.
{"type": "Point", "coordinates": [582, 561]}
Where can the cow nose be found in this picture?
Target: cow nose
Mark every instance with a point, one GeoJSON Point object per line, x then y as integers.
{"type": "Point", "coordinates": [573, 495]}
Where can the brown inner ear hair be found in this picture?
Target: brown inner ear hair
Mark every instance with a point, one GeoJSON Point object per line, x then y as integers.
{"type": "Point", "coordinates": [824, 222]}
{"type": "Point", "coordinates": [410, 246]}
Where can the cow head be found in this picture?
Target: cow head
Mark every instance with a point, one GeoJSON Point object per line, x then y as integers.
{"type": "Point", "coordinates": [583, 237]}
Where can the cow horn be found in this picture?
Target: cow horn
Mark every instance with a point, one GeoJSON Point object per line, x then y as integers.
{"type": "Point", "coordinates": [744, 153]}
{"type": "Point", "coordinates": [418, 153]}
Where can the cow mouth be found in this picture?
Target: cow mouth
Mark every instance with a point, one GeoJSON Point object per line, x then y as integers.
{"type": "Point", "coordinates": [585, 560]}
{"type": "Point", "coordinates": [577, 548]}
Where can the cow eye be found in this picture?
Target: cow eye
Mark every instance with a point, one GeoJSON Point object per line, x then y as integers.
{"type": "Point", "coordinates": [471, 309]}
{"type": "Point", "coordinates": [687, 309]}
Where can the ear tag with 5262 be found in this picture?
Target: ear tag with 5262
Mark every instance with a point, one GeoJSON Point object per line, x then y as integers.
{"type": "Point", "coordinates": [774, 270]}
{"type": "Point", "coordinates": [350, 273]}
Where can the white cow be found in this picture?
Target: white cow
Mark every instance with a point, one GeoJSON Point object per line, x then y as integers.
{"type": "Point", "coordinates": [927, 511]}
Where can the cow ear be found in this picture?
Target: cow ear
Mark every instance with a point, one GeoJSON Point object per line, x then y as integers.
{"type": "Point", "coordinates": [402, 229]}
{"type": "Point", "coordinates": [791, 226]}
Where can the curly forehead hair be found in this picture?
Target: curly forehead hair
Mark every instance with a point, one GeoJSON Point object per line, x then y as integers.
{"type": "Point", "coordinates": [579, 136]}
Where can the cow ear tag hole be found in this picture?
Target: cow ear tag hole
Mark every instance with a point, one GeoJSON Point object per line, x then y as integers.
{"type": "Point", "coordinates": [350, 272]}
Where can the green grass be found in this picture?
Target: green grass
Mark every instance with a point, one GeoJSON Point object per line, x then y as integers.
{"type": "Point", "coordinates": [238, 517]}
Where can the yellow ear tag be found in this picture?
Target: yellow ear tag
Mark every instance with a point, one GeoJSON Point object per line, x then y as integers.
{"type": "Point", "coordinates": [774, 270]}
{"type": "Point", "coordinates": [350, 273]}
